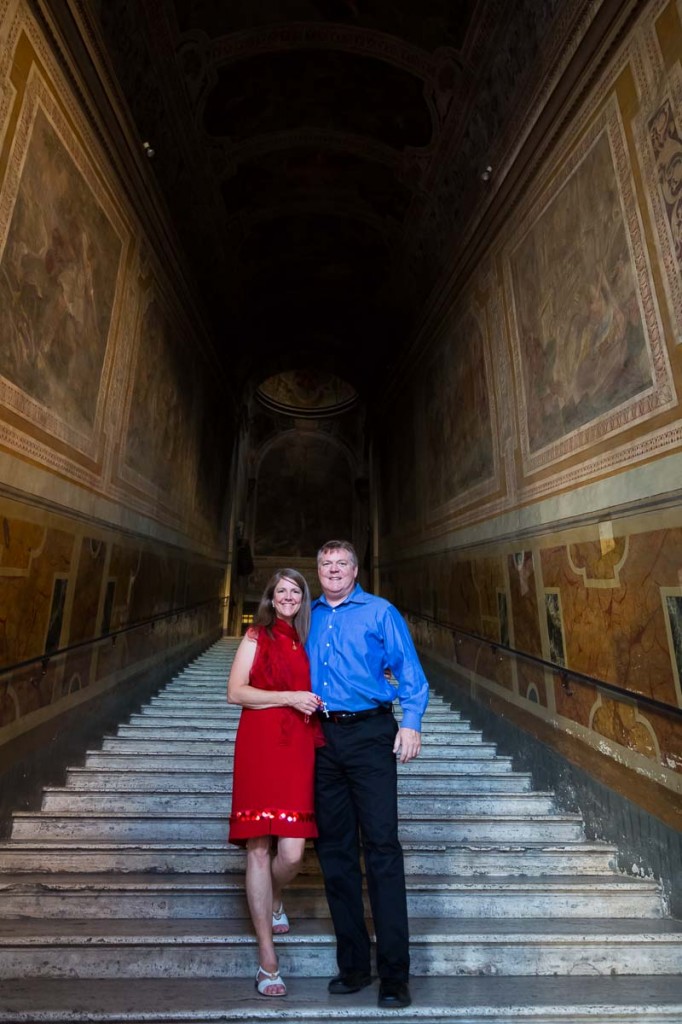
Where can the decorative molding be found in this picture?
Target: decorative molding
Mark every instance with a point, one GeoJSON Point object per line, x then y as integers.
{"type": "Point", "coordinates": [592, 582]}
{"type": "Point", "coordinates": [38, 98]}
{"type": "Point", "coordinates": [658, 130]}
{"type": "Point", "coordinates": [308, 36]}
{"type": "Point", "coordinates": [661, 395]}
{"type": "Point", "coordinates": [230, 154]}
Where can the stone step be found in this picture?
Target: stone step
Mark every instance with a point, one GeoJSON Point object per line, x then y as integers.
{"type": "Point", "coordinates": [533, 860]}
{"type": "Point", "coordinates": [447, 1000]}
{"type": "Point", "coordinates": [217, 717]}
{"type": "Point", "coordinates": [411, 778]}
{"type": "Point", "coordinates": [127, 754]}
{"type": "Point", "coordinates": [177, 753]}
{"type": "Point", "coordinates": [220, 732]}
{"type": "Point", "coordinates": [175, 696]}
{"type": "Point", "coordinates": [217, 896]}
{"type": "Point", "coordinates": [71, 800]}
{"type": "Point", "coordinates": [550, 828]}
{"type": "Point", "coordinates": [215, 742]}
{"type": "Point", "coordinates": [202, 949]}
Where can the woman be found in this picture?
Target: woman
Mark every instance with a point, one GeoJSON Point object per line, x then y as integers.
{"type": "Point", "coordinates": [272, 792]}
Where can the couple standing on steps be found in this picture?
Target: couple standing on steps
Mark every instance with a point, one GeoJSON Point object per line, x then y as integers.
{"type": "Point", "coordinates": [320, 763]}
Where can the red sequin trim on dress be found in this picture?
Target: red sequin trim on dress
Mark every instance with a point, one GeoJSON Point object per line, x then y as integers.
{"type": "Point", "coordinates": [271, 814]}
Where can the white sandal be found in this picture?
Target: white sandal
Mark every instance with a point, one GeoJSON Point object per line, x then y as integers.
{"type": "Point", "coordinates": [269, 980]}
{"type": "Point", "coordinates": [280, 921]}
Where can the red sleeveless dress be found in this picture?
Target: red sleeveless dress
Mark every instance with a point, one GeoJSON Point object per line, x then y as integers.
{"type": "Point", "coordinates": [274, 752]}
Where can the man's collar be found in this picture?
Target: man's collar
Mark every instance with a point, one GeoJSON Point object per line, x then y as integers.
{"type": "Point", "coordinates": [356, 596]}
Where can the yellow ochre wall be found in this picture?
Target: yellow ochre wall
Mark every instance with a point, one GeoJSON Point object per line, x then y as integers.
{"type": "Point", "coordinates": [531, 470]}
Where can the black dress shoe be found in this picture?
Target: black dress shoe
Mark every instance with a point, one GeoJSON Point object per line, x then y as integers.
{"type": "Point", "coordinates": [352, 981]}
{"type": "Point", "coordinates": [393, 994]}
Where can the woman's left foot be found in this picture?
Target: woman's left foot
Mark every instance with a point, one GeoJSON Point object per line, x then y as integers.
{"type": "Point", "coordinates": [269, 983]}
{"type": "Point", "coordinates": [280, 921]}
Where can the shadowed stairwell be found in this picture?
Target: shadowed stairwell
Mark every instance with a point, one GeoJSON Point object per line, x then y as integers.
{"type": "Point", "coordinates": [122, 902]}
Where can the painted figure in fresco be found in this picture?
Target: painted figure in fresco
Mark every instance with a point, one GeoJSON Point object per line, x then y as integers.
{"type": "Point", "coordinates": [354, 638]}
{"type": "Point", "coordinates": [595, 346]}
{"type": "Point", "coordinates": [58, 274]}
{"type": "Point", "coordinates": [274, 754]}
{"type": "Point", "coordinates": [577, 299]}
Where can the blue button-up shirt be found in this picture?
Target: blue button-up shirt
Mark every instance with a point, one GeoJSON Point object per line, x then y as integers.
{"type": "Point", "coordinates": [349, 647]}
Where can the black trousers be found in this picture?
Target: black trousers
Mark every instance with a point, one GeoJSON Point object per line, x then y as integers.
{"type": "Point", "coordinates": [356, 802]}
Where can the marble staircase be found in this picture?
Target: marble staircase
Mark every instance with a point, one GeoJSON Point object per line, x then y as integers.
{"type": "Point", "coordinates": [120, 900]}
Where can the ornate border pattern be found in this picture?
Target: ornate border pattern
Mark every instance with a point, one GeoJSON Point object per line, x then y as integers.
{"type": "Point", "coordinates": [662, 394]}
{"type": "Point", "coordinates": [38, 97]}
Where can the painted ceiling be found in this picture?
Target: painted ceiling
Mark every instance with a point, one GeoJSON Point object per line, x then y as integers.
{"type": "Point", "coordinates": [323, 160]}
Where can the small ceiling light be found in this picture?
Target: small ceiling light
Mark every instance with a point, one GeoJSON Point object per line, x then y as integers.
{"type": "Point", "coordinates": [148, 150]}
{"type": "Point", "coordinates": [487, 173]}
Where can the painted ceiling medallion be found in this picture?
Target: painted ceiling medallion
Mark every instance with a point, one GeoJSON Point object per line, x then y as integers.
{"type": "Point", "coordinates": [307, 393]}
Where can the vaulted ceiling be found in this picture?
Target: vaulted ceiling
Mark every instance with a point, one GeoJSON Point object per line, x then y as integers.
{"type": "Point", "coordinates": [323, 160]}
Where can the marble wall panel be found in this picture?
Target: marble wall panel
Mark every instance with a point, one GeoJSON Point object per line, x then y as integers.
{"type": "Point", "coordinates": [615, 592]}
{"type": "Point", "coordinates": [124, 566]}
{"type": "Point", "coordinates": [490, 585]}
{"type": "Point", "coordinates": [525, 624]}
{"type": "Point", "coordinates": [613, 602]}
{"type": "Point", "coordinates": [88, 589]}
{"type": "Point", "coordinates": [42, 554]}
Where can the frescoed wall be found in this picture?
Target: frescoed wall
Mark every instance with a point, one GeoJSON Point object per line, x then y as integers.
{"type": "Point", "coordinates": [62, 583]}
{"type": "Point", "coordinates": [58, 276]}
{"type": "Point", "coordinates": [113, 501]}
{"type": "Point", "coordinates": [549, 510]}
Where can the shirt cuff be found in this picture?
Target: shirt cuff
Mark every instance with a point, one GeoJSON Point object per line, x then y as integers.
{"type": "Point", "coordinates": [411, 720]}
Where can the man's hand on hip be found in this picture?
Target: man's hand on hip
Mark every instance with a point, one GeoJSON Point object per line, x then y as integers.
{"type": "Point", "coordinates": [408, 744]}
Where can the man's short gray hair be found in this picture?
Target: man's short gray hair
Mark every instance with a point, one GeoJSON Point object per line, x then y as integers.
{"type": "Point", "coordinates": [338, 545]}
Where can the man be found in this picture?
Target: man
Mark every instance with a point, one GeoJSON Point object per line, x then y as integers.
{"type": "Point", "coordinates": [354, 638]}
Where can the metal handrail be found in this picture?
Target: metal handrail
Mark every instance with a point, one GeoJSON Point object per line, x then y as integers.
{"type": "Point", "coordinates": [565, 673]}
{"type": "Point", "coordinates": [45, 659]}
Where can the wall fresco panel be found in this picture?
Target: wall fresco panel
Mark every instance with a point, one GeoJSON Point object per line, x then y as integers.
{"type": "Point", "coordinates": [588, 350]}
{"type": "Point", "coordinates": [58, 275]}
{"type": "Point", "coordinates": [457, 439]}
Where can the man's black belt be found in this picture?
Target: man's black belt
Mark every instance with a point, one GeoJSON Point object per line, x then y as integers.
{"type": "Point", "coordinates": [348, 717]}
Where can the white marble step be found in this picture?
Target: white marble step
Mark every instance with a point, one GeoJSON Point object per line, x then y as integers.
{"type": "Point", "coordinates": [228, 718]}
{"type": "Point", "coordinates": [152, 741]}
{"type": "Point", "coordinates": [451, 755]}
{"type": "Point", "coordinates": [205, 896]}
{"type": "Point", "coordinates": [549, 828]}
{"type": "Point", "coordinates": [412, 777]}
{"type": "Point", "coordinates": [175, 697]}
{"type": "Point", "coordinates": [128, 754]}
{"type": "Point", "coordinates": [162, 894]}
{"type": "Point", "coordinates": [71, 800]}
{"type": "Point", "coordinates": [437, 1000]}
{"type": "Point", "coordinates": [201, 948]}
{"type": "Point", "coordinates": [421, 857]}
{"type": "Point", "coordinates": [220, 732]}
